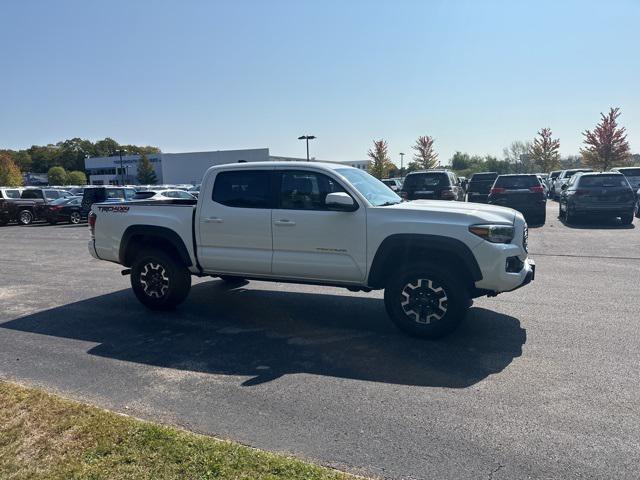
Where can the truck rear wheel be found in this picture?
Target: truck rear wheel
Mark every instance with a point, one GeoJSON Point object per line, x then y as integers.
{"type": "Point", "coordinates": [426, 301]}
{"type": "Point", "coordinates": [159, 281]}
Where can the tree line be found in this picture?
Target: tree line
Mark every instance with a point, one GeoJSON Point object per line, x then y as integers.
{"type": "Point", "coordinates": [604, 147]}
{"type": "Point", "coordinates": [69, 154]}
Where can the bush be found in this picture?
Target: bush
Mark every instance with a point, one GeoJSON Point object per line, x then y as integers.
{"type": "Point", "coordinates": [76, 178]}
{"type": "Point", "coordinates": [57, 176]}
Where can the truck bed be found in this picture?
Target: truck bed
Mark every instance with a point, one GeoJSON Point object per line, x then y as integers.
{"type": "Point", "coordinates": [114, 219]}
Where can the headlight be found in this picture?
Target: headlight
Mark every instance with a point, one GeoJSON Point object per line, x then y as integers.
{"type": "Point", "coordinates": [494, 233]}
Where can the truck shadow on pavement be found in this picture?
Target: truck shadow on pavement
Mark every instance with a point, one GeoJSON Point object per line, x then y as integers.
{"type": "Point", "coordinates": [265, 334]}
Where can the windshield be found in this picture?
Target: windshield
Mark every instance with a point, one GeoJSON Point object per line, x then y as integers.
{"type": "Point", "coordinates": [376, 192]}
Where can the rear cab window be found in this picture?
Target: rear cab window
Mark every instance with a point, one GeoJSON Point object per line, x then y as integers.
{"type": "Point", "coordinates": [243, 189]}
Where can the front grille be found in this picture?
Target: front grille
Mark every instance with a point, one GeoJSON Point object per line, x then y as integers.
{"type": "Point", "coordinates": [525, 239]}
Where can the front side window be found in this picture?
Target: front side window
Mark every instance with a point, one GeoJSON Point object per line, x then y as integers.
{"type": "Point", "coordinates": [243, 189]}
{"type": "Point", "coordinates": [302, 190]}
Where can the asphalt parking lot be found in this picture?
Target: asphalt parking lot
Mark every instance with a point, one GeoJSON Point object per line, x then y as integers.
{"type": "Point", "coordinates": [543, 382]}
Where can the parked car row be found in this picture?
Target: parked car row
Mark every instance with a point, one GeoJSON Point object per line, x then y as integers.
{"type": "Point", "coordinates": [27, 205]}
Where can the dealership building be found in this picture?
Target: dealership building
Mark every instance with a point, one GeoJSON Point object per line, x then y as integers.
{"type": "Point", "coordinates": [179, 168]}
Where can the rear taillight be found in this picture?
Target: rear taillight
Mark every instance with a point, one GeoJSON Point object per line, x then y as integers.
{"type": "Point", "coordinates": [447, 194]}
{"type": "Point", "coordinates": [537, 189]}
{"type": "Point", "coordinates": [496, 190]}
{"type": "Point", "coordinates": [92, 223]}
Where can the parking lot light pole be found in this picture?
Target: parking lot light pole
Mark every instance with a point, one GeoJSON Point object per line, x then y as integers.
{"type": "Point", "coordinates": [120, 152]}
{"type": "Point", "coordinates": [307, 138]}
{"type": "Point", "coordinates": [401, 164]}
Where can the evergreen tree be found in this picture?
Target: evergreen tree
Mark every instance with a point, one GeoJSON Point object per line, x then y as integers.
{"type": "Point", "coordinates": [146, 172]}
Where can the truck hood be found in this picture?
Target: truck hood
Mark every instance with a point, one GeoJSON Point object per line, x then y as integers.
{"type": "Point", "coordinates": [477, 212]}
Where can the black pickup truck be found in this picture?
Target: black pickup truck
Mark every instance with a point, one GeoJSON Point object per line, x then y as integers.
{"type": "Point", "coordinates": [29, 207]}
{"type": "Point", "coordinates": [8, 209]}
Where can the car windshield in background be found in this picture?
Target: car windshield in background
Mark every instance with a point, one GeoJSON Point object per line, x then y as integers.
{"type": "Point", "coordinates": [571, 174]}
{"type": "Point", "coordinates": [603, 181]}
{"type": "Point", "coordinates": [143, 195]}
{"type": "Point", "coordinates": [483, 177]}
{"type": "Point", "coordinates": [61, 201]}
{"type": "Point", "coordinates": [517, 182]}
{"type": "Point", "coordinates": [376, 192]}
{"type": "Point", "coordinates": [423, 180]}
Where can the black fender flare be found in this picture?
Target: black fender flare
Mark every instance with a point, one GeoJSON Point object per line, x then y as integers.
{"type": "Point", "coordinates": [153, 232]}
{"type": "Point", "coordinates": [407, 242]}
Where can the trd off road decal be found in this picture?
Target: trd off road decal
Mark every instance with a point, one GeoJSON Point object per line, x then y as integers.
{"type": "Point", "coordinates": [114, 209]}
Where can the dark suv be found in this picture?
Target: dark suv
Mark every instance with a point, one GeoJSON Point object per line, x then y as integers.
{"type": "Point", "coordinates": [598, 194]}
{"type": "Point", "coordinates": [521, 192]}
{"type": "Point", "coordinates": [479, 186]}
{"type": "Point", "coordinates": [104, 194]}
{"type": "Point", "coordinates": [432, 185]}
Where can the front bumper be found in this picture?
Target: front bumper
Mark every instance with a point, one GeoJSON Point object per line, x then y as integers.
{"type": "Point", "coordinates": [530, 275]}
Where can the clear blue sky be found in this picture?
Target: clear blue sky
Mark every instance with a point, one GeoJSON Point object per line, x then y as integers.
{"type": "Point", "coordinates": [203, 75]}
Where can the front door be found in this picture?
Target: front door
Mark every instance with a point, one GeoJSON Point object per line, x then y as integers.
{"type": "Point", "coordinates": [311, 242]}
{"type": "Point", "coordinates": [235, 223]}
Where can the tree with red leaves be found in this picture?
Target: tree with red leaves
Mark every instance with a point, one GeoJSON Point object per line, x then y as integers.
{"type": "Point", "coordinates": [425, 157]}
{"type": "Point", "coordinates": [545, 151]}
{"type": "Point", "coordinates": [380, 162]}
{"type": "Point", "coordinates": [607, 144]}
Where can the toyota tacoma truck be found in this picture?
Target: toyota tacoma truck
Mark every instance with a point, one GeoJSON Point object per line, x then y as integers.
{"type": "Point", "coordinates": [323, 224]}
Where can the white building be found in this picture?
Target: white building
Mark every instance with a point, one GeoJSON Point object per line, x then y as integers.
{"type": "Point", "coordinates": [179, 168]}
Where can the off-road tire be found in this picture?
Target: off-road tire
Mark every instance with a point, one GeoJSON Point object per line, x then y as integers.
{"type": "Point", "coordinates": [160, 281]}
{"type": "Point", "coordinates": [426, 300]}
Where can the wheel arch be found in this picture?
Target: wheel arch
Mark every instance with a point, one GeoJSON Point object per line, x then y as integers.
{"type": "Point", "coordinates": [408, 249]}
{"type": "Point", "coordinates": [136, 238]}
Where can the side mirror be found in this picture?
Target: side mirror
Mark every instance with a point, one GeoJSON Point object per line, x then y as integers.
{"type": "Point", "coordinates": [340, 201]}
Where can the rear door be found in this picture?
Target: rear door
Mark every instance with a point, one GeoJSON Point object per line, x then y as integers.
{"type": "Point", "coordinates": [234, 222]}
{"type": "Point", "coordinates": [309, 240]}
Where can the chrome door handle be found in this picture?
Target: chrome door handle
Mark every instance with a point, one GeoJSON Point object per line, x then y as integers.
{"type": "Point", "coordinates": [213, 220]}
{"type": "Point", "coordinates": [285, 222]}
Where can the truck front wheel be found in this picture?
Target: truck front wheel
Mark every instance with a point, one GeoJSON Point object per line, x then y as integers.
{"type": "Point", "coordinates": [426, 301]}
{"type": "Point", "coordinates": [159, 281]}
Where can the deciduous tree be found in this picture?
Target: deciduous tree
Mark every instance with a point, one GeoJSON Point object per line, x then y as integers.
{"type": "Point", "coordinates": [9, 172]}
{"type": "Point", "coordinates": [545, 151]}
{"type": "Point", "coordinates": [424, 157]}
{"type": "Point", "coordinates": [76, 178]}
{"type": "Point", "coordinates": [57, 176]}
{"type": "Point", "coordinates": [518, 154]}
{"type": "Point", "coordinates": [380, 162]}
{"type": "Point", "coordinates": [146, 173]}
{"type": "Point", "coordinates": [606, 145]}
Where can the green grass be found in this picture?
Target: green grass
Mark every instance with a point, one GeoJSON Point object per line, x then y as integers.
{"type": "Point", "coordinates": [43, 436]}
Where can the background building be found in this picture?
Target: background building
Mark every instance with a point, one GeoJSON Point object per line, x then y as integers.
{"type": "Point", "coordinates": [180, 168]}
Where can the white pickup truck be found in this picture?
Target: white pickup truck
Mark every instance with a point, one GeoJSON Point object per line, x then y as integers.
{"type": "Point", "coordinates": [318, 223]}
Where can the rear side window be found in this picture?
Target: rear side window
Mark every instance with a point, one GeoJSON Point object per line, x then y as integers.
{"type": "Point", "coordinates": [31, 194]}
{"type": "Point", "coordinates": [12, 193]}
{"type": "Point", "coordinates": [243, 189]}
{"type": "Point", "coordinates": [518, 182]}
{"type": "Point", "coordinates": [603, 181]}
{"type": "Point", "coordinates": [424, 180]}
